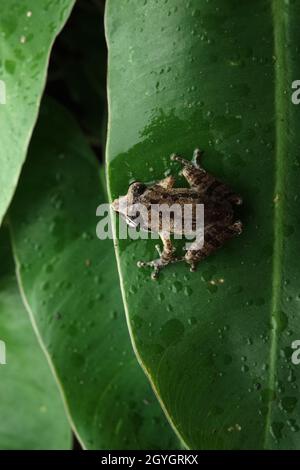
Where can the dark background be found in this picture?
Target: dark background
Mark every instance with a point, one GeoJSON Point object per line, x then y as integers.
{"type": "Point", "coordinates": [77, 71]}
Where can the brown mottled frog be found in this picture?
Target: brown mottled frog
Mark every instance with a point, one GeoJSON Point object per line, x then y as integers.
{"type": "Point", "coordinates": [218, 200]}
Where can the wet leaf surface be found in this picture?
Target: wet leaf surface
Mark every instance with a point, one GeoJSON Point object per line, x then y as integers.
{"type": "Point", "coordinates": [216, 343]}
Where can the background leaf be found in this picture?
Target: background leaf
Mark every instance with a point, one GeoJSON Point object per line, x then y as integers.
{"type": "Point", "coordinates": [77, 71]}
{"type": "Point", "coordinates": [216, 344]}
{"type": "Point", "coordinates": [31, 410]}
{"type": "Point", "coordinates": [71, 287]}
{"type": "Point", "coordinates": [28, 29]}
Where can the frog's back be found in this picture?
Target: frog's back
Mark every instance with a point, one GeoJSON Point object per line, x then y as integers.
{"type": "Point", "coordinates": [158, 195]}
{"type": "Point", "coordinates": [216, 212]}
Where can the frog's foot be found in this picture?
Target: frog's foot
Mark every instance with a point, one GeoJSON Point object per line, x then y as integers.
{"type": "Point", "coordinates": [159, 263]}
{"type": "Point", "coordinates": [195, 163]}
{"type": "Point", "coordinates": [197, 157]}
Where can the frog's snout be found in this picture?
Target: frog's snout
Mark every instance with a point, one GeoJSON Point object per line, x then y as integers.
{"type": "Point", "coordinates": [120, 205]}
{"type": "Point", "coordinates": [115, 205]}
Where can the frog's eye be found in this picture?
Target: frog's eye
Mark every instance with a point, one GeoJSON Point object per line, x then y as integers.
{"type": "Point", "coordinates": [135, 190]}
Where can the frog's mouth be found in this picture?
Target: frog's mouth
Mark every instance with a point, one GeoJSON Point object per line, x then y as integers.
{"type": "Point", "coordinates": [120, 206]}
{"type": "Point", "coordinates": [129, 220]}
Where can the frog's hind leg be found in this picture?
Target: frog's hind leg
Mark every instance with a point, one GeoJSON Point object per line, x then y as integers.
{"type": "Point", "coordinates": [215, 237]}
{"type": "Point", "coordinates": [219, 190]}
{"type": "Point", "coordinates": [166, 256]}
{"type": "Point", "coordinates": [204, 182]}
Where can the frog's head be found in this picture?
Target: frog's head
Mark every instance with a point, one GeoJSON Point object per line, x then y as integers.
{"type": "Point", "coordinates": [124, 204]}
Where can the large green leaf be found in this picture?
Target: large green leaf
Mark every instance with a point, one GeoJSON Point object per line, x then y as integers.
{"type": "Point", "coordinates": [31, 410]}
{"type": "Point", "coordinates": [27, 29]}
{"type": "Point", "coordinates": [71, 286]}
{"type": "Point", "coordinates": [215, 344]}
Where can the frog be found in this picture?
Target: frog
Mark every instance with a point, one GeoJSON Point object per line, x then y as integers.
{"type": "Point", "coordinates": [218, 199]}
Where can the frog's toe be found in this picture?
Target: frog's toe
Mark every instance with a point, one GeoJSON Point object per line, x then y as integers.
{"type": "Point", "coordinates": [237, 227]}
{"type": "Point", "coordinates": [236, 200]}
{"type": "Point", "coordinates": [193, 267]}
{"type": "Point", "coordinates": [152, 264]}
{"type": "Point", "coordinates": [177, 158]}
{"type": "Point", "coordinates": [191, 261]}
{"type": "Point", "coordinates": [155, 274]}
{"type": "Point", "coordinates": [144, 264]}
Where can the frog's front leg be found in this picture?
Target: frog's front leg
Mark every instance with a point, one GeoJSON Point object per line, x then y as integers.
{"type": "Point", "coordinates": [166, 256]}
{"type": "Point", "coordinates": [215, 237]}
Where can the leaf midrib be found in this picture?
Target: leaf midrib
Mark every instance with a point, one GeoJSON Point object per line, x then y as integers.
{"type": "Point", "coordinates": [279, 108]}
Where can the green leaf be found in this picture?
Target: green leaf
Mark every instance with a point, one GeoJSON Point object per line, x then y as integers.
{"type": "Point", "coordinates": [70, 282]}
{"type": "Point", "coordinates": [28, 30]}
{"type": "Point", "coordinates": [216, 344]}
{"type": "Point", "coordinates": [31, 411]}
